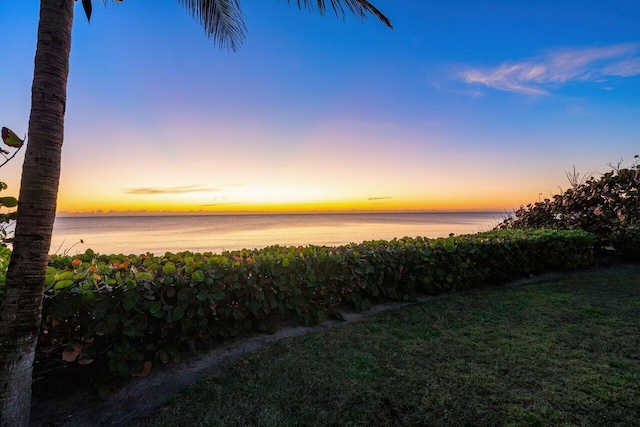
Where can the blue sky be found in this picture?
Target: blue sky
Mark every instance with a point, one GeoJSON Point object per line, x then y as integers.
{"type": "Point", "coordinates": [473, 105]}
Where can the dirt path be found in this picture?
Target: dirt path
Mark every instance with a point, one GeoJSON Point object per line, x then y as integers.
{"type": "Point", "coordinates": [139, 397]}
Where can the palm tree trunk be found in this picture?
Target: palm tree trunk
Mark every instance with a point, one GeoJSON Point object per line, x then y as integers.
{"type": "Point", "coordinates": [20, 314]}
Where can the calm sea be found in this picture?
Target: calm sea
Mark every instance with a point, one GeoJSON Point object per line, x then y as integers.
{"type": "Point", "coordinates": [216, 233]}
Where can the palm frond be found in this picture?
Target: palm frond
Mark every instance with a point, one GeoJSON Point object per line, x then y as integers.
{"type": "Point", "coordinates": [222, 20]}
{"type": "Point", "coordinates": [359, 8]}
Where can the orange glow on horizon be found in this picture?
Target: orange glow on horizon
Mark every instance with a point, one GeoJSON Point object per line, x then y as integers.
{"type": "Point", "coordinates": [304, 187]}
{"type": "Point", "coordinates": [140, 205]}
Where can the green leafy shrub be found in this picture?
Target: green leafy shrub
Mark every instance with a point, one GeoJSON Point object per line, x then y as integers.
{"type": "Point", "coordinates": [601, 206]}
{"type": "Point", "coordinates": [121, 313]}
{"type": "Point", "coordinates": [7, 219]}
{"type": "Point", "coordinates": [626, 241]}
{"type": "Point", "coordinates": [5, 256]}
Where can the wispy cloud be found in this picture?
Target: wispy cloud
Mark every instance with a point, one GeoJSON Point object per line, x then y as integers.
{"type": "Point", "coordinates": [537, 76]}
{"type": "Point", "coordinates": [219, 201]}
{"type": "Point", "coordinates": [378, 198]}
{"type": "Point", "coordinates": [170, 190]}
{"type": "Point", "coordinates": [208, 205]}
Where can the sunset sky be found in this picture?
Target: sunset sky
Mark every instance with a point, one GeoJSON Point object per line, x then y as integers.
{"type": "Point", "coordinates": [464, 105]}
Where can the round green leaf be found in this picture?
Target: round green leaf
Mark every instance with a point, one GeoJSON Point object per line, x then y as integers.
{"type": "Point", "coordinates": [197, 276]}
{"type": "Point", "coordinates": [9, 202]}
{"type": "Point", "coordinates": [155, 307]}
{"type": "Point", "coordinates": [169, 268]}
{"type": "Point", "coordinates": [62, 284]}
{"type": "Point", "coordinates": [178, 313]}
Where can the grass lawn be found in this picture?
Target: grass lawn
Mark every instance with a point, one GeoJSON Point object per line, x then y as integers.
{"type": "Point", "coordinates": [563, 352]}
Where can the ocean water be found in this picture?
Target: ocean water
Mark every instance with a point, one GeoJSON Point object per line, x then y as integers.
{"type": "Point", "coordinates": [216, 233]}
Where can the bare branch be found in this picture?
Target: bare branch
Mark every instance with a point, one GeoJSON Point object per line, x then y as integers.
{"type": "Point", "coordinates": [576, 180]}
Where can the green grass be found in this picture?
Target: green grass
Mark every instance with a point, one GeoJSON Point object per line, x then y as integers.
{"type": "Point", "coordinates": [563, 352]}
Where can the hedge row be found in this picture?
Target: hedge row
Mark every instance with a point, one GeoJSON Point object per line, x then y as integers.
{"type": "Point", "coordinates": [129, 311]}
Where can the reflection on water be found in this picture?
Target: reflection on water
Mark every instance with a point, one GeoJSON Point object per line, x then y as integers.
{"type": "Point", "coordinates": [215, 233]}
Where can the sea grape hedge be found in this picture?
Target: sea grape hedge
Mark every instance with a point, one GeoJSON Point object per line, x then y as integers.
{"type": "Point", "coordinates": [626, 241]}
{"type": "Point", "coordinates": [605, 206]}
{"type": "Point", "coordinates": [127, 312]}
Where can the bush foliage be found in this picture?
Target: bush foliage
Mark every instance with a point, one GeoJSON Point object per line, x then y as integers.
{"type": "Point", "coordinates": [627, 242]}
{"type": "Point", "coordinates": [605, 206]}
{"type": "Point", "coordinates": [126, 312]}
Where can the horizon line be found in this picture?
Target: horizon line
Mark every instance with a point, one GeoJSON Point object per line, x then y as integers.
{"type": "Point", "coordinates": [145, 213]}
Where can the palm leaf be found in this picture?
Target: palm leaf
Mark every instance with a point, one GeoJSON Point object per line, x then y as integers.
{"type": "Point", "coordinates": [222, 20]}
{"type": "Point", "coordinates": [358, 8]}
{"type": "Point", "coordinates": [86, 5]}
